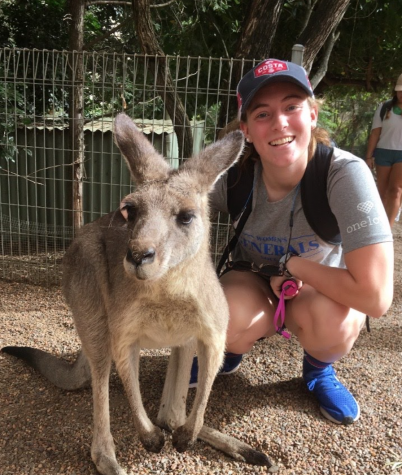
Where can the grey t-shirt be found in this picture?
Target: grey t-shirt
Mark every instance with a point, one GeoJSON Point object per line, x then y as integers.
{"type": "Point", "coordinates": [353, 198]}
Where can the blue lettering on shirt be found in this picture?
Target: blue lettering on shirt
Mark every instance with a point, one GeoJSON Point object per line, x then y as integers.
{"type": "Point", "coordinates": [269, 247]}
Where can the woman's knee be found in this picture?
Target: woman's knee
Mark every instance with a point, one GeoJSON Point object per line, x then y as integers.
{"type": "Point", "coordinates": [326, 322]}
{"type": "Point", "coordinates": [394, 192]}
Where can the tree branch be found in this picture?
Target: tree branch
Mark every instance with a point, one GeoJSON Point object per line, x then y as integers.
{"type": "Point", "coordinates": [108, 33]}
{"type": "Point", "coordinates": [310, 8]}
{"type": "Point", "coordinates": [120, 25]}
{"type": "Point", "coordinates": [323, 66]}
{"type": "Point", "coordinates": [221, 37]}
{"type": "Point", "coordinates": [324, 19]}
{"type": "Point", "coordinates": [106, 2]}
{"type": "Point", "coordinates": [163, 78]}
{"type": "Point", "coordinates": [120, 2]}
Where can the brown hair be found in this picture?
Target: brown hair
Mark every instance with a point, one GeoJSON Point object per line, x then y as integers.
{"type": "Point", "coordinates": [393, 103]}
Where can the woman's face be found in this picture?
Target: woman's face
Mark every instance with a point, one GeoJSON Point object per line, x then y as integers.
{"type": "Point", "coordinates": [399, 96]}
{"type": "Point", "coordinates": [279, 124]}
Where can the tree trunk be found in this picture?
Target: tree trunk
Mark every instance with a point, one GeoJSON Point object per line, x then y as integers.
{"type": "Point", "coordinates": [258, 32]}
{"type": "Point", "coordinates": [76, 37]}
{"type": "Point", "coordinates": [323, 21]}
{"type": "Point", "coordinates": [173, 104]}
{"type": "Point", "coordinates": [323, 66]}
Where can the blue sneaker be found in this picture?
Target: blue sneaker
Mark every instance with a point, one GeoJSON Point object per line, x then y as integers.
{"type": "Point", "coordinates": [336, 403]}
{"type": "Point", "coordinates": [231, 364]}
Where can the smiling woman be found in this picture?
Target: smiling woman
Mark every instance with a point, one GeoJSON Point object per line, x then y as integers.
{"type": "Point", "coordinates": [279, 124]}
{"type": "Point", "coordinates": [337, 284]}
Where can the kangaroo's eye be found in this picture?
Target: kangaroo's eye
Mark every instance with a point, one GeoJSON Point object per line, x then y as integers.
{"type": "Point", "coordinates": [185, 217]}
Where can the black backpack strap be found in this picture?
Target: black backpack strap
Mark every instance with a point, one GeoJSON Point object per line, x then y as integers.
{"type": "Point", "coordinates": [314, 196]}
{"type": "Point", "coordinates": [387, 106]}
{"type": "Point", "coordinates": [239, 201]}
{"type": "Point", "coordinates": [239, 185]}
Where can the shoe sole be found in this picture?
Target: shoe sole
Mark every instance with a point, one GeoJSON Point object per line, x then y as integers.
{"type": "Point", "coordinates": [226, 373]}
{"type": "Point", "coordinates": [346, 420]}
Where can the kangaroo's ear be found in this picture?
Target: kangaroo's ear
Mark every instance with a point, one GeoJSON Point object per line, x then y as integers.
{"type": "Point", "coordinates": [144, 162]}
{"type": "Point", "coordinates": [215, 159]}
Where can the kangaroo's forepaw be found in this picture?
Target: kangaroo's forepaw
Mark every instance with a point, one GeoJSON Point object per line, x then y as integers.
{"type": "Point", "coordinates": [182, 439]}
{"type": "Point", "coordinates": [153, 441]}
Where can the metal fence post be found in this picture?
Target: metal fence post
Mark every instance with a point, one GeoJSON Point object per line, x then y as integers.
{"type": "Point", "coordinates": [297, 54]}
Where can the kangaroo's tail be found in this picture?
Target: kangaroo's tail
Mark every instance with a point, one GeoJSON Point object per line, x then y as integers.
{"type": "Point", "coordinates": [69, 376]}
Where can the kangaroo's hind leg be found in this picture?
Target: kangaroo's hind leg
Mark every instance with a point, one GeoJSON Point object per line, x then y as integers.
{"type": "Point", "coordinates": [127, 365]}
{"type": "Point", "coordinates": [210, 356]}
{"type": "Point", "coordinates": [172, 411]}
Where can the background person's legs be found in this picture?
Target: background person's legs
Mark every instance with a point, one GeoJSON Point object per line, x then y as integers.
{"type": "Point", "coordinates": [382, 173]}
{"type": "Point", "coordinates": [388, 165]}
{"type": "Point", "coordinates": [393, 193]}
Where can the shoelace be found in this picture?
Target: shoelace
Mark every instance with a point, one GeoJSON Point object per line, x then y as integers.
{"type": "Point", "coordinates": [289, 288]}
{"type": "Point", "coordinates": [329, 382]}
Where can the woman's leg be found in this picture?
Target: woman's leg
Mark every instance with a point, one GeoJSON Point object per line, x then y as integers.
{"type": "Point", "coordinates": [382, 173]}
{"type": "Point", "coordinates": [325, 329]}
{"type": "Point", "coordinates": [393, 193]}
{"type": "Point", "coordinates": [251, 309]}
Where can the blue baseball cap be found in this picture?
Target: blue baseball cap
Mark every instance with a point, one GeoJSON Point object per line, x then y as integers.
{"type": "Point", "coordinates": [266, 72]}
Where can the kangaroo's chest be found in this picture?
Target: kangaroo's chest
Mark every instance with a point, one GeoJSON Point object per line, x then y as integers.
{"type": "Point", "coordinates": [164, 322]}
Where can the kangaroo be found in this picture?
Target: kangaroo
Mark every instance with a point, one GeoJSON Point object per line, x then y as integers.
{"type": "Point", "coordinates": [142, 277]}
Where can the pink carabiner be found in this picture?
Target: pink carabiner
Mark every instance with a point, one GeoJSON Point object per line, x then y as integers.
{"type": "Point", "coordinates": [289, 288]}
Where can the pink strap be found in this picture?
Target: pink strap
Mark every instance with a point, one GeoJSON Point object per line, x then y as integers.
{"type": "Point", "coordinates": [289, 288]}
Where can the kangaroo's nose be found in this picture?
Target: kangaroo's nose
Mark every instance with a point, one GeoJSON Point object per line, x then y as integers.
{"type": "Point", "coordinates": [146, 256]}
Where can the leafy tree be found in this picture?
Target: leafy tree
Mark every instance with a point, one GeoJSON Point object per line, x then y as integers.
{"type": "Point", "coordinates": [366, 43]}
{"type": "Point", "coordinates": [12, 109]}
{"type": "Point", "coordinates": [352, 46]}
{"type": "Point", "coordinates": [368, 55]}
{"type": "Point", "coordinates": [36, 24]}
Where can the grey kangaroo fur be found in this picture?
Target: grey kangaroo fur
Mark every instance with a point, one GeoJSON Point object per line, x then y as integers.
{"type": "Point", "coordinates": [142, 277]}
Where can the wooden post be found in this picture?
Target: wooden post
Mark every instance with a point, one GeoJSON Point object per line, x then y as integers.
{"type": "Point", "coordinates": [77, 9]}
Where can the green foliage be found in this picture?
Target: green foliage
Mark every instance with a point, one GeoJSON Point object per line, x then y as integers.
{"type": "Point", "coordinates": [367, 54]}
{"type": "Point", "coordinates": [347, 116]}
{"type": "Point", "coordinates": [210, 116]}
{"type": "Point", "coordinates": [99, 20]}
{"type": "Point", "coordinates": [369, 49]}
{"type": "Point", "coordinates": [12, 111]}
{"type": "Point", "coordinates": [201, 27]}
{"type": "Point", "coordinates": [33, 24]}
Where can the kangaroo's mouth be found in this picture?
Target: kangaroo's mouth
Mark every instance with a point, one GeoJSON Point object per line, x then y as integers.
{"type": "Point", "coordinates": [147, 256]}
{"type": "Point", "coordinates": [143, 265]}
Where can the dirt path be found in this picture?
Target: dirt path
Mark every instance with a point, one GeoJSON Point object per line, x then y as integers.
{"type": "Point", "coordinates": [47, 431]}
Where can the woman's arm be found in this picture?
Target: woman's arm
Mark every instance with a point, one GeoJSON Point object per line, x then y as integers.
{"type": "Point", "coordinates": [365, 285]}
{"type": "Point", "coordinates": [372, 143]}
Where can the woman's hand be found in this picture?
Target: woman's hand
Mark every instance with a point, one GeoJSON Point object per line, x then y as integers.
{"type": "Point", "coordinates": [370, 162]}
{"type": "Point", "coordinates": [276, 285]}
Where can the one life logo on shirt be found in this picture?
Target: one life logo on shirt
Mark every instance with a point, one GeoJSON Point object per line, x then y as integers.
{"type": "Point", "coordinates": [364, 207]}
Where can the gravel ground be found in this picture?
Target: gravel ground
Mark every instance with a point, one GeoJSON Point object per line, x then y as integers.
{"type": "Point", "coordinates": [47, 431]}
